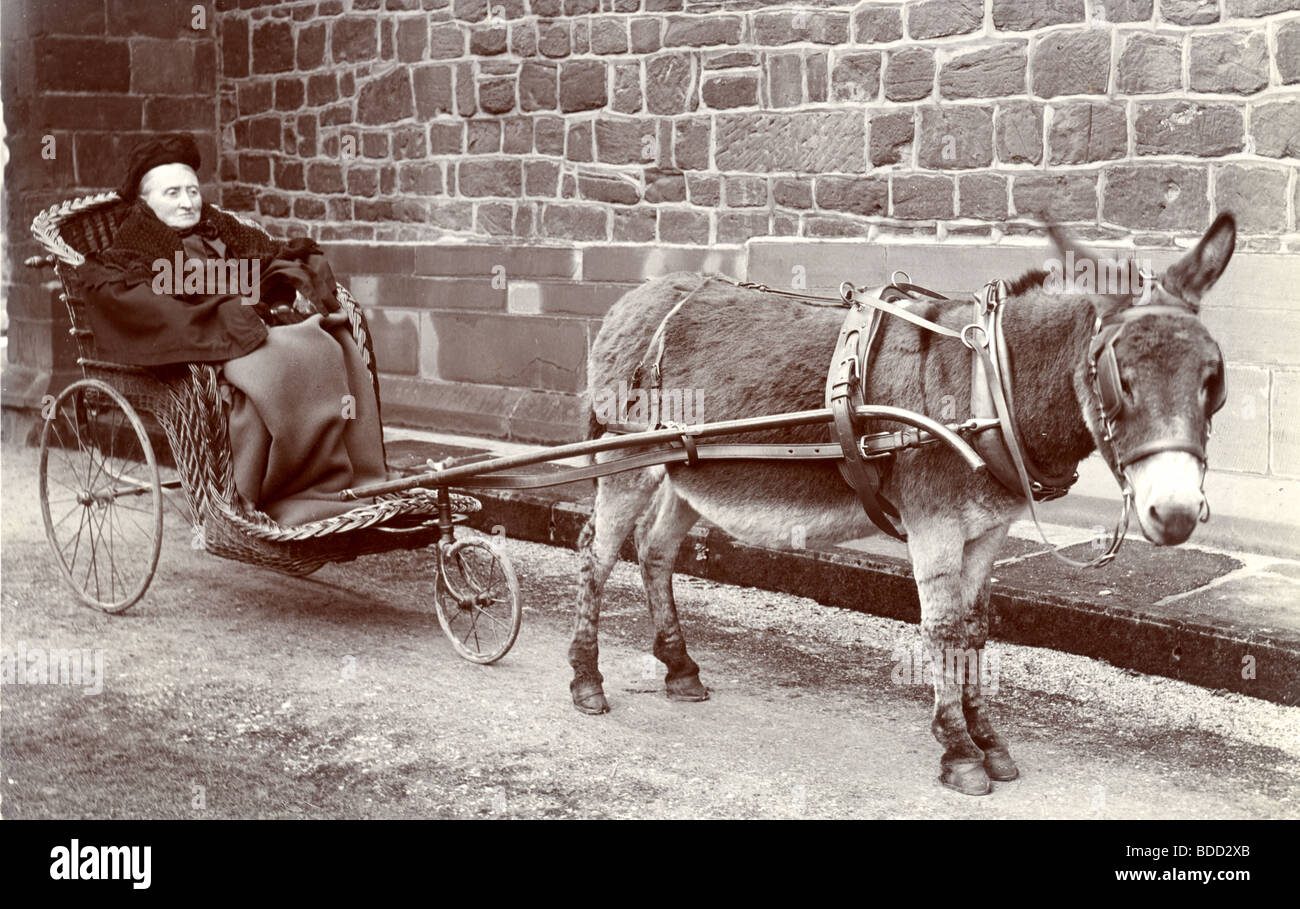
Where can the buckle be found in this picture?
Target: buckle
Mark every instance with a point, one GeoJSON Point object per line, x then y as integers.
{"type": "Point", "coordinates": [992, 298]}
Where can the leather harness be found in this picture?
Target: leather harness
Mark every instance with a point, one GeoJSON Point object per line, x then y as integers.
{"type": "Point", "coordinates": [862, 458]}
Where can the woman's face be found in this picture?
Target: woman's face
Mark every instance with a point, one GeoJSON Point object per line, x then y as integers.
{"type": "Point", "coordinates": [172, 191]}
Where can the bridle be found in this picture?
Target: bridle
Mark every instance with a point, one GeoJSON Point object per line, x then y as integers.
{"type": "Point", "coordinates": [1109, 398]}
{"type": "Point", "coordinates": [1108, 392]}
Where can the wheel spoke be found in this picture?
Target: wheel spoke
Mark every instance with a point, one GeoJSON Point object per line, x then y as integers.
{"type": "Point", "coordinates": [74, 423]}
{"type": "Point", "coordinates": [487, 615]}
{"type": "Point", "coordinates": [63, 445]}
{"type": "Point", "coordinates": [75, 492]}
{"type": "Point", "coordinates": [95, 428]}
{"type": "Point", "coordinates": [77, 538]}
{"type": "Point", "coordinates": [112, 441]}
{"type": "Point", "coordinates": [468, 632]}
{"type": "Point", "coordinates": [98, 467]}
{"type": "Point", "coordinates": [463, 561]}
{"type": "Point", "coordinates": [90, 566]}
{"type": "Point", "coordinates": [112, 569]}
{"type": "Point", "coordinates": [100, 548]}
{"type": "Point", "coordinates": [144, 530]}
{"type": "Point", "coordinates": [71, 511]}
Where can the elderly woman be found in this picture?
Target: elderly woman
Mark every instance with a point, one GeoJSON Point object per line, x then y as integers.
{"type": "Point", "coordinates": [304, 421]}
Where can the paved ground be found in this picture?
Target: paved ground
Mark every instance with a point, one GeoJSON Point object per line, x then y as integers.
{"type": "Point", "coordinates": [234, 692]}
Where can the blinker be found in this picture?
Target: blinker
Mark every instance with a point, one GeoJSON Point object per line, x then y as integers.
{"type": "Point", "coordinates": [1105, 368]}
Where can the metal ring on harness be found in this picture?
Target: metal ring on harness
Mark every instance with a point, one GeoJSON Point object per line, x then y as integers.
{"type": "Point", "coordinates": [967, 341]}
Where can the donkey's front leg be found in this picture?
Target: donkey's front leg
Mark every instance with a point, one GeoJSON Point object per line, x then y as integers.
{"type": "Point", "coordinates": [977, 565]}
{"type": "Point", "coordinates": [658, 538]}
{"type": "Point", "coordinates": [946, 630]}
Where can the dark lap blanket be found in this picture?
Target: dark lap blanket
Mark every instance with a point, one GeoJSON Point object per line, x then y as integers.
{"type": "Point", "coordinates": [304, 422]}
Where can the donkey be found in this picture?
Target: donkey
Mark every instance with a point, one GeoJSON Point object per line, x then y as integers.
{"type": "Point", "coordinates": [758, 354]}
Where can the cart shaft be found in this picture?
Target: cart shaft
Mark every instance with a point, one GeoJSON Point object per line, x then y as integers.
{"type": "Point", "coordinates": [477, 473]}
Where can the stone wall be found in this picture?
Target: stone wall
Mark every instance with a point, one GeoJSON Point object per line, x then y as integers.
{"type": "Point", "coordinates": [714, 121]}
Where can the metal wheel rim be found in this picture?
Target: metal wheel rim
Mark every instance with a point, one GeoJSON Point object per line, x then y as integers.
{"type": "Point", "coordinates": [104, 527]}
{"type": "Point", "coordinates": [480, 635]}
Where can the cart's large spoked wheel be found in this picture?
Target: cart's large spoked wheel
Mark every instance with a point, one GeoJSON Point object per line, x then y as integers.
{"type": "Point", "coordinates": [100, 495]}
{"type": "Point", "coordinates": [478, 600]}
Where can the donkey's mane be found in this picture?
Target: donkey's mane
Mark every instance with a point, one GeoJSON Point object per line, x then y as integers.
{"type": "Point", "coordinates": [1028, 281]}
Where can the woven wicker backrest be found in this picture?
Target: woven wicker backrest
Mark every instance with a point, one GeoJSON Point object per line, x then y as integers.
{"type": "Point", "coordinates": [93, 229]}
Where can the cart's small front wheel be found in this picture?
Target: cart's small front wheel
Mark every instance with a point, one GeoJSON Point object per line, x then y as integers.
{"type": "Point", "coordinates": [478, 599]}
{"type": "Point", "coordinates": [101, 498]}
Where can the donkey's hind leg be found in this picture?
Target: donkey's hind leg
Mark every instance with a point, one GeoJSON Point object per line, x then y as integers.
{"type": "Point", "coordinates": [946, 628]}
{"type": "Point", "coordinates": [658, 538]}
{"type": "Point", "coordinates": [620, 500]}
{"type": "Point", "coordinates": [977, 565]}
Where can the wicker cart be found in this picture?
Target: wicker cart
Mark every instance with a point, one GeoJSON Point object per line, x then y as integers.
{"type": "Point", "coordinates": [102, 492]}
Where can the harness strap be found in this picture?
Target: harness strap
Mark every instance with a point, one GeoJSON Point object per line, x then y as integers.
{"type": "Point", "coordinates": [1046, 486]}
{"type": "Point", "coordinates": [692, 453]}
{"type": "Point", "coordinates": [1155, 447]}
{"type": "Point", "coordinates": [851, 295]}
{"type": "Point", "coordinates": [651, 365]}
{"type": "Point", "coordinates": [843, 389]}
{"type": "Point", "coordinates": [1004, 415]}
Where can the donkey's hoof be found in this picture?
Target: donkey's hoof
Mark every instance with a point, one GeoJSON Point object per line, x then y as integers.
{"type": "Point", "coordinates": [967, 777]}
{"type": "Point", "coordinates": [999, 765]}
{"type": "Point", "coordinates": [687, 689]}
{"type": "Point", "coordinates": [591, 700]}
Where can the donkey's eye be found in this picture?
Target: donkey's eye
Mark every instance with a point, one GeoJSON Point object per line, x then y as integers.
{"type": "Point", "coordinates": [1214, 392]}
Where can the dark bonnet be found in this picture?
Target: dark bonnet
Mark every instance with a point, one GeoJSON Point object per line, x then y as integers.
{"type": "Point", "coordinates": [174, 148]}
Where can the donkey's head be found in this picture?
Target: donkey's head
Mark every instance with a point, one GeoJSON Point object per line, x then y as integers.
{"type": "Point", "coordinates": [1150, 382]}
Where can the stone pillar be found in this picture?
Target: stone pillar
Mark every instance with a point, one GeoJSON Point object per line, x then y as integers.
{"type": "Point", "coordinates": [83, 80]}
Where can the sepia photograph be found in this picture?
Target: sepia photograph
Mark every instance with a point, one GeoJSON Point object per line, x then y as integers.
{"type": "Point", "coordinates": [651, 410]}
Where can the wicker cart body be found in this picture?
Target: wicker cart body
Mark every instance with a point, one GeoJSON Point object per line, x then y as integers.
{"type": "Point", "coordinates": [187, 404]}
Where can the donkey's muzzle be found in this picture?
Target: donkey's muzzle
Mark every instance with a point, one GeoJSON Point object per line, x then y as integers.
{"type": "Point", "coordinates": [1169, 522]}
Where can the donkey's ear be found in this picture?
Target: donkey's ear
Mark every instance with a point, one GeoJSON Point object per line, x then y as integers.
{"type": "Point", "coordinates": [1195, 273]}
{"type": "Point", "coordinates": [1064, 244]}
{"type": "Point", "coordinates": [1069, 251]}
